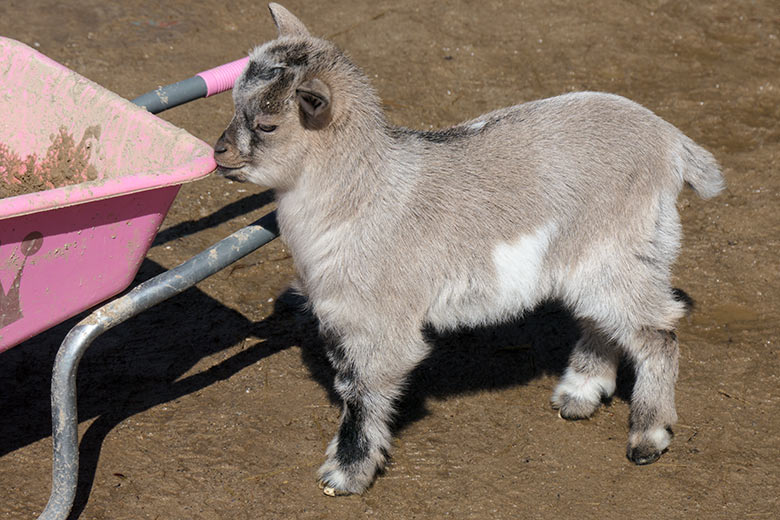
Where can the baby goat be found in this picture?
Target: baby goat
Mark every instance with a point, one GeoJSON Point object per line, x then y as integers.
{"type": "Point", "coordinates": [391, 230]}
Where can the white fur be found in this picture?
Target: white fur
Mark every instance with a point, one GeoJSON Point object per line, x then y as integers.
{"type": "Point", "coordinates": [519, 267]}
{"type": "Point", "coordinates": [586, 388]}
{"type": "Point", "coordinates": [659, 437]}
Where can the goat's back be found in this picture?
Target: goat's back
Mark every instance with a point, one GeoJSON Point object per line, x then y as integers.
{"type": "Point", "coordinates": [542, 190]}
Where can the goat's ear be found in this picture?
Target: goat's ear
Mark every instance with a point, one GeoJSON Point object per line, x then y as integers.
{"type": "Point", "coordinates": [286, 22]}
{"type": "Point", "coordinates": [314, 101]}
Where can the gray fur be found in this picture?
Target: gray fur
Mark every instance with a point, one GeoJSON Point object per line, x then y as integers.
{"type": "Point", "coordinates": [569, 198]}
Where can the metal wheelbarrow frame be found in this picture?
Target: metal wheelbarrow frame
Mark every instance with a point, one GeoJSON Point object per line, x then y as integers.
{"type": "Point", "coordinates": [144, 296]}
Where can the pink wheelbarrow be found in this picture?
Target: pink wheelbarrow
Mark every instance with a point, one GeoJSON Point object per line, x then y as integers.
{"type": "Point", "coordinates": [86, 179]}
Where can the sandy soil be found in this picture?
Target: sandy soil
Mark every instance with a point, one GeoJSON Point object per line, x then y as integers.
{"type": "Point", "coordinates": [218, 403]}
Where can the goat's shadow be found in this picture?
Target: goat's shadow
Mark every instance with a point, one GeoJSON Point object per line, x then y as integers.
{"type": "Point", "coordinates": [142, 363]}
{"type": "Point", "coordinates": [475, 359]}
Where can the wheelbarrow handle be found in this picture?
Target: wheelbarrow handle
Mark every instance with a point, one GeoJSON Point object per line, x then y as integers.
{"type": "Point", "coordinates": [203, 84]}
{"type": "Point", "coordinates": [219, 79]}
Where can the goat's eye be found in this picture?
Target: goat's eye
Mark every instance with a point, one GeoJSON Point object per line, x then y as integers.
{"type": "Point", "coordinates": [259, 123]}
{"type": "Point", "coordinates": [265, 128]}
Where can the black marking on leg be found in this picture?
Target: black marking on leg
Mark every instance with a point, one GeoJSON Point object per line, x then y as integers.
{"type": "Point", "coordinates": [353, 445]}
{"type": "Point", "coordinates": [669, 338]}
{"type": "Point", "coordinates": [385, 452]}
{"type": "Point", "coordinates": [647, 260]}
{"type": "Point", "coordinates": [682, 296]}
{"type": "Point", "coordinates": [335, 350]}
{"type": "Point", "coordinates": [340, 362]}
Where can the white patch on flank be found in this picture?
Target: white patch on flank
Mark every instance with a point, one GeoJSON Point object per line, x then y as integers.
{"type": "Point", "coordinates": [586, 388]}
{"type": "Point", "coordinates": [519, 267]}
{"type": "Point", "coordinates": [479, 125]}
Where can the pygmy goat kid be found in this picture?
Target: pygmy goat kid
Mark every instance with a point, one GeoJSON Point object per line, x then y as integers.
{"type": "Point", "coordinates": [392, 230]}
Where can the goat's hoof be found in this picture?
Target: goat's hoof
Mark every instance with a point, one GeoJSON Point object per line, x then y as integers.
{"type": "Point", "coordinates": [647, 447]}
{"type": "Point", "coordinates": [642, 455]}
{"type": "Point", "coordinates": [331, 491]}
{"type": "Point", "coordinates": [573, 408]}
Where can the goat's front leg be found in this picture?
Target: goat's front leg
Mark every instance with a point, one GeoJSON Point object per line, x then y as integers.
{"type": "Point", "coordinates": [369, 380]}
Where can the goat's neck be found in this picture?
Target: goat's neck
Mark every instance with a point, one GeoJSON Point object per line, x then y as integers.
{"type": "Point", "coordinates": [349, 179]}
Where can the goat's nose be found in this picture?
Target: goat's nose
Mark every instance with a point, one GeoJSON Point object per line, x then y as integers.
{"type": "Point", "coordinates": [222, 144]}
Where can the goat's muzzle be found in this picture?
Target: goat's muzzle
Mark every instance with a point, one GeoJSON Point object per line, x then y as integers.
{"type": "Point", "coordinates": [229, 162]}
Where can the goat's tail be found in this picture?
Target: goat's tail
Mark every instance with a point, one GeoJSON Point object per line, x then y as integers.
{"type": "Point", "coordinates": [700, 169]}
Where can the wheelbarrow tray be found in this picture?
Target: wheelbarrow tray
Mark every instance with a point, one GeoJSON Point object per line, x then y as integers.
{"type": "Point", "coordinates": [106, 172]}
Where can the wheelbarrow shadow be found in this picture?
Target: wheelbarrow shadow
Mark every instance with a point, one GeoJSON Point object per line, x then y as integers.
{"type": "Point", "coordinates": [174, 356]}
{"type": "Point", "coordinates": [133, 367]}
{"type": "Point", "coordinates": [25, 370]}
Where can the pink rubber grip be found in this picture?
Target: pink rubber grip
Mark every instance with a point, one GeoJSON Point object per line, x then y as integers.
{"type": "Point", "coordinates": [219, 79]}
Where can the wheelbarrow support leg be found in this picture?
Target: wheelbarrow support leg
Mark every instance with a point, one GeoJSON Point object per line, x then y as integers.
{"type": "Point", "coordinates": [63, 385]}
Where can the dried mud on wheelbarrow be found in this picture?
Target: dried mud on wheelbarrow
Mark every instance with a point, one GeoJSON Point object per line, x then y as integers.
{"type": "Point", "coordinates": [218, 404]}
{"type": "Point", "coordinates": [65, 162]}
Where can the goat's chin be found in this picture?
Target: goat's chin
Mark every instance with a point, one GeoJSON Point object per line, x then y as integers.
{"type": "Point", "coordinates": [234, 174]}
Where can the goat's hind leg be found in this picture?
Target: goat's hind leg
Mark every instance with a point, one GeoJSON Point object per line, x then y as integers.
{"type": "Point", "coordinates": [589, 378]}
{"type": "Point", "coordinates": [655, 356]}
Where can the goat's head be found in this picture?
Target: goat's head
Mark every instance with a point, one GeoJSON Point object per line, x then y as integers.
{"type": "Point", "coordinates": [281, 96]}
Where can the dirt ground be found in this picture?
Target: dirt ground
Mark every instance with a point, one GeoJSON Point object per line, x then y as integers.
{"type": "Point", "coordinates": [218, 403]}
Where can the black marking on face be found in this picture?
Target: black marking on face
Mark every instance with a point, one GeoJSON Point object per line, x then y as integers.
{"type": "Point", "coordinates": [292, 54]}
{"type": "Point", "coordinates": [273, 97]}
{"type": "Point", "coordinates": [257, 71]}
{"type": "Point", "coordinates": [255, 138]}
{"type": "Point", "coordinates": [353, 445]}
